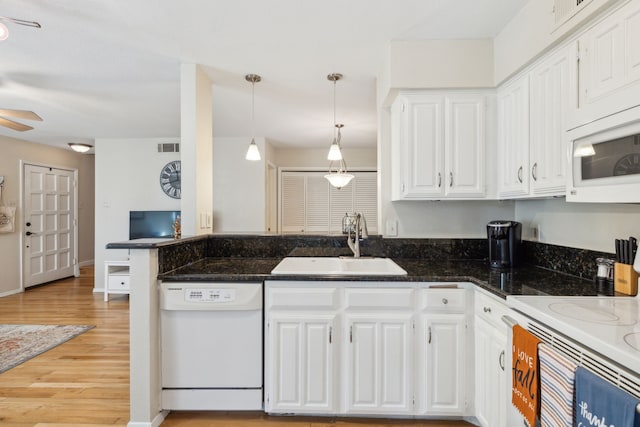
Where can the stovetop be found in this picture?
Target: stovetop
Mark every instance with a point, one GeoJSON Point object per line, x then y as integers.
{"type": "Point", "coordinates": [607, 325]}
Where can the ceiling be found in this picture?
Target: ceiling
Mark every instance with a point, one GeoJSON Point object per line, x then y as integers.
{"type": "Point", "coordinates": [111, 69]}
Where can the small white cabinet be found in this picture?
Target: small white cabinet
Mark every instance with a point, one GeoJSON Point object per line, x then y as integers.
{"type": "Point", "coordinates": [301, 350]}
{"type": "Point", "coordinates": [441, 352]}
{"type": "Point", "coordinates": [609, 65]}
{"type": "Point", "coordinates": [492, 362]}
{"type": "Point", "coordinates": [379, 344]}
{"type": "Point", "coordinates": [438, 143]}
{"type": "Point", "coordinates": [116, 278]}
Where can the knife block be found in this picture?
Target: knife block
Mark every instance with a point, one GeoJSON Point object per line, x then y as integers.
{"type": "Point", "coordinates": [625, 279]}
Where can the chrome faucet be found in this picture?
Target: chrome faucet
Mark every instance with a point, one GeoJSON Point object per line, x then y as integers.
{"type": "Point", "coordinates": [359, 228]}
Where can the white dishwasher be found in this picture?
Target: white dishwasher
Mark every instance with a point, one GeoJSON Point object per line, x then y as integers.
{"type": "Point", "coordinates": [211, 343]}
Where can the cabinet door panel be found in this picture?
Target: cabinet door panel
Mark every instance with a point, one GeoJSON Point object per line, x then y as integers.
{"type": "Point", "coordinates": [300, 363]}
{"type": "Point", "coordinates": [464, 142]}
{"type": "Point", "coordinates": [379, 363]}
{"type": "Point", "coordinates": [445, 368]}
{"type": "Point", "coordinates": [632, 45]}
{"type": "Point", "coordinates": [491, 374]}
{"type": "Point", "coordinates": [425, 148]}
{"type": "Point", "coordinates": [551, 89]}
{"type": "Point", "coordinates": [513, 138]}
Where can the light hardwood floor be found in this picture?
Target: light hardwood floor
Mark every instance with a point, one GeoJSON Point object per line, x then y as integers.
{"type": "Point", "coordinates": [85, 381]}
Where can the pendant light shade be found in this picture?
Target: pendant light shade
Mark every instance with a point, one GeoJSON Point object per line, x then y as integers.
{"type": "Point", "coordinates": [340, 177]}
{"type": "Point", "coordinates": [253, 153]}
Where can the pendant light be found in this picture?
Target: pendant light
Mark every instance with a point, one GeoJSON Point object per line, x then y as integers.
{"type": "Point", "coordinates": [338, 178]}
{"type": "Point", "coordinates": [253, 153]}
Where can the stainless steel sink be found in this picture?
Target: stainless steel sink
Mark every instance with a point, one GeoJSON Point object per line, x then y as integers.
{"type": "Point", "coordinates": [341, 266]}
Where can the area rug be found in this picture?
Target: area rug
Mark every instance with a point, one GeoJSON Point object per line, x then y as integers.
{"type": "Point", "coordinates": [19, 343]}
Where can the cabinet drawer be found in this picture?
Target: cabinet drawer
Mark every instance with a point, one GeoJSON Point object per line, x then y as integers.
{"type": "Point", "coordinates": [118, 282]}
{"type": "Point", "coordinates": [293, 298]}
{"type": "Point", "coordinates": [490, 308]}
{"type": "Point", "coordinates": [444, 300]}
{"type": "Point", "coordinates": [385, 298]}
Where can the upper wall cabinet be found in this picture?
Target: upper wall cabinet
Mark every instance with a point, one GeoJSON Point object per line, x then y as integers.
{"type": "Point", "coordinates": [513, 138]}
{"type": "Point", "coordinates": [609, 66]}
{"type": "Point", "coordinates": [532, 110]}
{"type": "Point", "coordinates": [438, 145]}
{"type": "Point", "coordinates": [552, 85]}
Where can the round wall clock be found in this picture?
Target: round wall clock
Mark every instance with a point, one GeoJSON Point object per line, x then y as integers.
{"type": "Point", "coordinates": [170, 179]}
{"type": "Point", "coordinates": [627, 165]}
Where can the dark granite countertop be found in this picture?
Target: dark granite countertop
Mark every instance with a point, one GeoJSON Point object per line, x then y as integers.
{"type": "Point", "coordinates": [524, 280]}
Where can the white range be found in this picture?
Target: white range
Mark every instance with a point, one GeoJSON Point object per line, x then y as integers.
{"type": "Point", "coordinates": [609, 326]}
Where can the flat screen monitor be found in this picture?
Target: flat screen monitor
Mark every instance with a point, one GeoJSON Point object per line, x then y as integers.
{"type": "Point", "coordinates": [151, 224]}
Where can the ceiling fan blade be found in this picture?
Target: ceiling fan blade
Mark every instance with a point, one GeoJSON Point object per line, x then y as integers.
{"type": "Point", "coordinates": [33, 24]}
{"type": "Point", "coordinates": [14, 125]}
{"type": "Point", "coordinates": [20, 114]}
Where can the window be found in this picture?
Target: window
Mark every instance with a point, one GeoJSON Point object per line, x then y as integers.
{"type": "Point", "coordinates": [310, 205]}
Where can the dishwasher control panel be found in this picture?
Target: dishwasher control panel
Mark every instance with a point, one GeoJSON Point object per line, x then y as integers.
{"type": "Point", "coordinates": [209, 295]}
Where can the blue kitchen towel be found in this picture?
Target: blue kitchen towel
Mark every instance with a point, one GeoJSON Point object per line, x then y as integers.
{"type": "Point", "coordinates": [601, 404]}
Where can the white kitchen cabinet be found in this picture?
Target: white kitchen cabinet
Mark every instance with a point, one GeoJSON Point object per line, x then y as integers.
{"type": "Point", "coordinates": [362, 348]}
{"type": "Point", "coordinates": [445, 367]}
{"type": "Point", "coordinates": [378, 364]}
{"type": "Point", "coordinates": [301, 350]}
{"type": "Point", "coordinates": [441, 353]}
{"type": "Point", "coordinates": [438, 145]}
{"type": "Point", "coordinates": [609, 65]}
{"type": "Point", "coordinates": [492, 361]}
{"type": "Point", "coordinates": [302, 366]}
{"type": "Point", "coordinates": [552, 90]}
{"type": "Point", "coordinates": [513, 138]}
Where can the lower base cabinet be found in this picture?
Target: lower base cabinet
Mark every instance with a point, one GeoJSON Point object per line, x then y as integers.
{"type": "Point", "coordinates": [302, 364]}
{"type": "Point", "coordinates": [379, 379]}
{"type": "Point", "coordinates": [358, 350]}
{"type": "Point", "coordinates": [492, 363]}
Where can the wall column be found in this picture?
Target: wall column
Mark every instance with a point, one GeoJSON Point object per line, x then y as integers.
{"type": "Point", "coordinates": [196, 150]}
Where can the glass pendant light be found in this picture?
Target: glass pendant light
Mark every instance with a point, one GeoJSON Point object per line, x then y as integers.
{"type": "Point", "coordinates": [340, 177]}
{"type": "Point", "coordinates": [253, 153]}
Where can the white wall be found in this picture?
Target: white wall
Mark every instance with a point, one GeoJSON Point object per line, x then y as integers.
{"type": "Point", "coordinates": [591, 226]}
{"type": "Point", "coordinates": [414, 64]}
{"type": "Point", "coordinates": [127, 178]}
{"type": "Point", "coordinates": [239, 186]}
{"type": "Point", "coordinates": [317, 157]}
{"type": "Point", "coordinates": [12, 152]}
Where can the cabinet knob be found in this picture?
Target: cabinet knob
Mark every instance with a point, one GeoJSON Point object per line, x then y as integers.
{"type": "Point", "coordinates": [445, 301]}
{"type": "Point", "coordinates": [487, 309]}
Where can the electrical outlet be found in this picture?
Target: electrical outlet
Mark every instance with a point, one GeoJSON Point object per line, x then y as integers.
{"type": "Point", "coordinates": [392, 227]}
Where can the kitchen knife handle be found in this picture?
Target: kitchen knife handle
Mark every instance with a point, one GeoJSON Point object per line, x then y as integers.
{"type": "Point", "coordinates": [618, 250]}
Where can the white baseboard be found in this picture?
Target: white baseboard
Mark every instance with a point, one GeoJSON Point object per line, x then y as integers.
{"type": "Point", "coordinates": [11, 292]}
{"type": "Point", "coordinates": [87, 263]}
{"type": "Point", "coordinates": [154, 423]}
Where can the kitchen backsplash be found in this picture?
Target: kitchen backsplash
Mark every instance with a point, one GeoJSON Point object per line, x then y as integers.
{"type": "Point", "coordinates": [572, 261]}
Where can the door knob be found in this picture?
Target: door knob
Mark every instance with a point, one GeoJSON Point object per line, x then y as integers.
{"type": "Point", "coordinates": [28, 224]}
{"type": "Point", "coordinates": [29, 233]}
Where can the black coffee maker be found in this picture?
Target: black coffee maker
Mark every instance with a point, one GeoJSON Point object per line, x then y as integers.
{"type": "Point", "coordinates": [505, 238]}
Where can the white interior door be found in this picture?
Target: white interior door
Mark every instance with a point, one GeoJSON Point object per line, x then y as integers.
{"type": "Point", "coordinates": [49, 219]}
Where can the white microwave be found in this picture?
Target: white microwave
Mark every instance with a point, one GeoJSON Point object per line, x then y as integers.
{"type": "Point", "coordinates": [604, 159]}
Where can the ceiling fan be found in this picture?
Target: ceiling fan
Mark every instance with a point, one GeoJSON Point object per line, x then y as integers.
{"type": "Point", "coordinates": [17, 114]}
